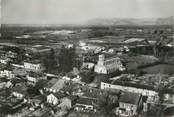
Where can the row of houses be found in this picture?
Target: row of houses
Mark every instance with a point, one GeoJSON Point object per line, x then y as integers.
{"type": "Point", "coordinates": [145, 90]}
{"type": "Point", "coordinates": [29, 66]}
{"type": "Point", "coordinates": [135, 96]}
{"type": "Point", "coordinates": [55, 92]}
{"type": "Point", "coordinates": [33, 66]}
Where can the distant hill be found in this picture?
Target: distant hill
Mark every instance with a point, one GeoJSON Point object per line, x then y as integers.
{"type": "Point", "coordinates": [105, 22]}
{"type": "Point", "coordinates": [165, 21]}
{"type": "Point", "coordinates": [131, 21]}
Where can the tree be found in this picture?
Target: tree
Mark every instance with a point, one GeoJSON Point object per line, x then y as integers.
{"type": "Point", "coordinates": [161, 93]}
{"type": "Point", "coordinates": [87, 76]}
{"type": "Point", "coordinates": [40, 84]}
{"type": "Point", "coordinates": [35, 90]}
{"type": "Point", "coordinates": [100, 77]}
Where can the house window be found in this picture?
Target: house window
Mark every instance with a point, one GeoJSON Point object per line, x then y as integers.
{"type": "Point", "coordinates": [124, 105]}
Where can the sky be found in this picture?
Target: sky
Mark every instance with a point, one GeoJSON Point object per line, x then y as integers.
{"type": "Point", "coordinates": [80, 11]}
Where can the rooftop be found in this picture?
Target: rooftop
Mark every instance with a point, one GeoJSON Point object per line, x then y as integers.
{"type": "Point", "coordinates": [129, 84]}
{"type": "Point", "coordinates": [59, 95]}
{"type": "Point", "coordinates": [38, 99]}
{"type": "Point", "coordinates": [33, 61]}
{"type": "Point", "coordinates": [20, 89]}
{"type": "Point", "coordinates": [86, 101]}
{"type": "Point", "coordinates": [59, 84]}
{"type": "Point", "coordinates": [130, 98]}
{"type": "Point", "coordinates": [33, 74]}
{"type": "Point", "coordinates": [110, 56]}
{"type": "Point", "coordinates": [51, 82]}
{"type": "Point", "coordinates": [146, 81]}
{"type": "Point", "coordinates": [72, 97]}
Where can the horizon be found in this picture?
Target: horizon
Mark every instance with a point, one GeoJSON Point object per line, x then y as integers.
{"type": "Point", "coordinates": [86, 23]}
{"type": "Point", "coordinates": [61, 12]}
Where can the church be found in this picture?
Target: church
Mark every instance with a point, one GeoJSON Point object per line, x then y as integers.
{"type": "Point", "coordinates": [108, 65]}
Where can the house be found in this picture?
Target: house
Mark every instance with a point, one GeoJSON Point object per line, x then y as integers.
{"type": "Point", "coordinates": [55, 98]}
{"type": "Point", "coordinates": [129, 104]}
{"type": "Point", "coordinates": [2, 52]}
{"type": "Point", "coordinates": [93, 93]}
{"type": "Point", "coordinates": [169, 97]}
{"type": "Point", "coordinates": [14, 104]}
{"type": "Point", "coordinates": [55, 85]}
{"type": "Point", "coordinates": [33, 77]}
{"type": "Point", "coordinates": [51, 99]}
{"type": "Point", "coordinates": [108, 65]}
{"type": "Point", "coordinates": [4, 60]}
{"type": "Point", "coordinates": [70, 46]}
{"type": "Point", "coordinates": [19, 91]}
{"type": "Point", "coordinates": [19, 71]}
{"type": "Point", "coordinates": [71, 76]}
{"type": "Point", "coordinates": [111, 50]}
{"type": "Point", "coordinates": [67, 102]}
{"type": "Point", "coordinates": [17, 81]}
{"type": "Point", "coordinates": [85, 105]}
{"type": "Point", "coordinates": [37, 100]}
{"type": "Point", "coordinates": [66, 78]}
{"type": "Point", "coordinates": [88, 65]}
{"type": "Point", "coordinates": [76, 79]}
{"type": "Point", "coordinates": [7, 73]}
{"type": "Point", "coordinates": [82, 43]}
{"type": "Point", "coordinates": [11, 54]}
{"type": "Point", "coordinates": [2, 84]}
{"type": "Point", "coordinates": [49, 84]}
{"type": "Point", "coordinates": [77, 92]}
{"type": "Point", "coordinates": [118, 50]}
{"type": "Point", "coordinates": [67, 89]}
{"type": "Point", "coordinates": [33, 66]}
{"type": "Point", "coordinates": [89, 47]}
{"type": "Point", "coordinates": [9, 84]}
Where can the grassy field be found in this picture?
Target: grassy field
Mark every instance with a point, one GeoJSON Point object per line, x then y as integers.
{"type": "Point", "coordinates": [160, 68]}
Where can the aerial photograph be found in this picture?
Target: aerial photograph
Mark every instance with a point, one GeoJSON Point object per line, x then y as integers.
{"type": "Point", "coordinates": [86, 58]}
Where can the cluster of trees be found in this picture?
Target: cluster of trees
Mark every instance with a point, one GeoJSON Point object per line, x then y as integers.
{"type": "Point", "coordinates": [64, 62]}
{"type": "Point", "coordinates": [66, 59]}
{"type": "Point", "coordinates": [35, 90]}
{"type": "Point", "coordinates": [49, 61]}
{"type": "Point", "coordinates": [107, 103]}
{"type": "Point", "coordinates": [87, 76]}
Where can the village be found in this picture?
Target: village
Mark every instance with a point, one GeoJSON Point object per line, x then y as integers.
{"type": "Point", "coordinates": [84, 79]}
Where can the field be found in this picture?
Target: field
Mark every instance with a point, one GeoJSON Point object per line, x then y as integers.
{"type": "Point", "coordinates": [20, 34]}
{"type": "Point", "coordinates": [160, 68]}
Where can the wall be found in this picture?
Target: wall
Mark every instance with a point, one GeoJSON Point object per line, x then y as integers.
{"type": "Point", "coordinates": [144, 92]}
